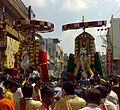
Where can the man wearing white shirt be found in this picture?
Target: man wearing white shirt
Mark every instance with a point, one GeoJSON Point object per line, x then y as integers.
{"type": "Point", "coordinates": [94, 100]}
{"type": "Point", "coordinates": [18, 95]}
{"type": "Point", "coordinates": [27, 101]}
{"type": "Point", "coordinates": [111, 95]}
{"type": "Point", "coordinates": [109, 105]}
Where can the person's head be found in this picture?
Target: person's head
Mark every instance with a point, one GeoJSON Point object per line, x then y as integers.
{"type": "Point", "coordinates": [71, 78]}
{"type": "Point", "coordinates": [61, 82]}
{"type": "Point", "coordinates": [92, 82]}
{"type": "Point", "coordinates": [38, 68]}
{"type": "Point", "coordinates": [96, 73]}
{"type": "Point", "coordinates": [115, 81]}
{"type": "Point", "coordinates": [8, 71]}
{"type": "Point", "coordinates": [38, 81]}
{"type": "Point", "coordinates": [108, 87]}
{"type": "Point", "coordinates": [6, 84]}
{"type": "Point", "coordinates": [47, 95]}
{"type": "Point", "coordinates": [69, 88]}
{"type": "Point", "coordinates": [94, 96]}
{"type": "Point", "coordinates": [1, 93]}
{"type": "Point", "coordinates": [14, 85]}
{"type": "Point", "coordinates": [3, 76]}
{"type": "Point", "coordinates": [103, 90]}
{"type": "Point", "coordinates": [27, 91]}
{"type": "Point", "coordinates": [31, 80]}
{"type": "Point", "coordinates": [71, 55]}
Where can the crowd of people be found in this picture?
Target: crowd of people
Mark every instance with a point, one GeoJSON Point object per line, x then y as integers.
{"type": "Point", "coordinates": [31, 93]}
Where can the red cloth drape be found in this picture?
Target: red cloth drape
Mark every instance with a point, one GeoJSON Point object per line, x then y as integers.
{"type": "Point", "coordinates": [15, 71]}
{"type": "Point", "coordinates": [44, 65]}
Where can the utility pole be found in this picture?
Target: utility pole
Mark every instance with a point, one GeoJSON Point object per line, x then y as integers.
{"type": "Point", "coordinates": [108, 48]}
{"type": "Point", "coordinates": [112, 43]}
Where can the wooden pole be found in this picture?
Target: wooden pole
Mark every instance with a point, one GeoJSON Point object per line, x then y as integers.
{"type": "Point", "coordinates": [83, 19]}
{"type": "Point", "coordinates": [2, 63]}
{"type": "Point", "coordinates": [3, 40]}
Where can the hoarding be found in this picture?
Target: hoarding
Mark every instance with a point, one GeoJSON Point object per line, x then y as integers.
{"type": "Point", "coordinates": [109, 61]}
{"type": "Point", "coordinates": [12, 48]}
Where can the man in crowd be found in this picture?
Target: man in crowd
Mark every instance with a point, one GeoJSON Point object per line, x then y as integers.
{"type": "Point", "coordinates": [94, 100]}
{"type": "Point", "coordinates": [47, 98]}
{"type": "Point", "coordinates": [13, 86]}
{"type": "Point", "coordinates": [37, 88]}
{"type": "Point", "coordinates": [5, 104]}
{"type": "Point", "coordinates": [60, 93]}
{"type": "Point", "coordinates": [108, 104]}
{"type": "Point", "coordinates": [71, 101]}
{"type": "Point", "coordinates": [27, 102]}
{"type": "Point", "coordinates": [3, 78]}
{"type": "Point", "coordinates": [116, 88]}
{"type": "Point", "coordinates": [111, 95]}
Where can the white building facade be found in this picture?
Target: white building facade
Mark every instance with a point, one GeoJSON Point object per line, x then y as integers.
{"type": "Point", "coordinates": [115, 30]}
{"type": "Point", "coordinates": [113, 44]}
{"type": "Point", "coordinates": [55, 56]}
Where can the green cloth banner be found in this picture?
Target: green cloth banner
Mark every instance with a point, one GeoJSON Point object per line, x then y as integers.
{"type": "Point", "coordinates": [98, 66]}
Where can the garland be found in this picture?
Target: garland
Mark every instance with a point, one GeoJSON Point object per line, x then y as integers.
{"type": "Point", "coordinates": [18, 57]}
{"type": "Point", "coordinates": [31, 51]}
{"type": "Point", "coordinates": [37, 46]}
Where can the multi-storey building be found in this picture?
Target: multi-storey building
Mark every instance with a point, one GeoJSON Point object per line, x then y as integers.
{"type": "Point", "coordinates": [65, 61]}
{"type": "Point", "coordinates": [55, 56]}
{"type": "Point", "coordinates": [113, 44]}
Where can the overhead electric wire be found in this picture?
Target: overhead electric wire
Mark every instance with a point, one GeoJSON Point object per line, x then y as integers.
{"type": "Point", "coordinates": [117, 11]}
{"type": "Point", "coordinates": [115, 25]}
{"type": "Point", "coordinates": [109, 42]}
{"type": "Point", "coordinates": [113, 9]}
{"type": "Point", "coordinates": [110, 14]}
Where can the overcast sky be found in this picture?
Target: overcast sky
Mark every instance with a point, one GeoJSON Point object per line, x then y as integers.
{"type": "Point", "coordinates": [61, 12]}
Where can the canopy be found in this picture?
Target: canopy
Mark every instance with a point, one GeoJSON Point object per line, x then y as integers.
{"type": "Point", "coordinates": [83, 25]}
{"type": "Point", "coordinates": [35, 25]}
